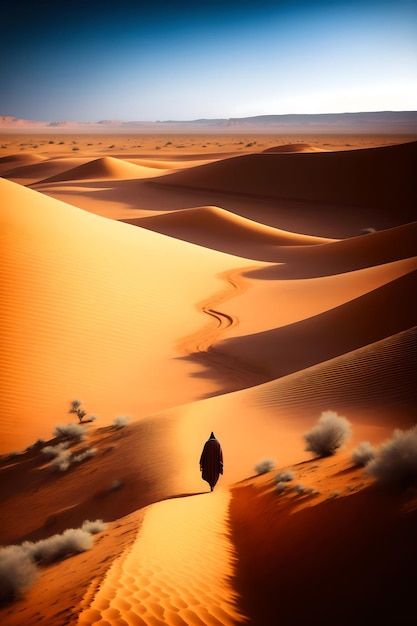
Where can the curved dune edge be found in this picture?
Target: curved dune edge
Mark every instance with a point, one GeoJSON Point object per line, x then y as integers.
{"type": "Point", "coordinates": [34, 172]}
{"type": "Point", "coordinates": [380, 178]}
{"type": "Point", "coordinates": [293, 147]}
{"type": "Point", "coordinates": [177, 571]}
{"type": "Point", "coordinates": [333, 332]}
{"type": "Point", "coordinates": [208, 224]}
{"type": "Point", "coordinates": [104, 168]}
{"type": "Point", "coordinates": [345, 255]}
{"type": "Point", "coordinates": [296, 299]}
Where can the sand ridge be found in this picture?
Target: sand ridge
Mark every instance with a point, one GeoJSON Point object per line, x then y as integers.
{"type": "Point", "coordinates": [104, 167]}
{"type": "Point", "coordinates": [175, 574]}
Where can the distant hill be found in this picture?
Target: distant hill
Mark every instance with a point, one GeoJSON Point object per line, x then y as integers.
{"type": "Point", "coordinates": [378, 122]}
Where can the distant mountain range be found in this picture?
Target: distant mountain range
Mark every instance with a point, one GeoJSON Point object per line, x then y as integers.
{"type": "Point", "coordinates": [381, 122]}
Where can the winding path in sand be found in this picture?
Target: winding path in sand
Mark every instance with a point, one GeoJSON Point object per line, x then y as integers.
{"type": "Point", "coordinates": [199, 346]}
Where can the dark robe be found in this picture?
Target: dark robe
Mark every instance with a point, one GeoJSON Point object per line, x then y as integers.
{"type": "Point", "coordinates": [211, 462]}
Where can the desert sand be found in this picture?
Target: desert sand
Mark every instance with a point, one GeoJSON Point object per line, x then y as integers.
{"type": "Point", "coordinates": [199, 283]}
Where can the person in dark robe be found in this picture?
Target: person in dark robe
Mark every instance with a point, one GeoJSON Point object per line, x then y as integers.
{"type": "Point", "coordinates": [211, 461]}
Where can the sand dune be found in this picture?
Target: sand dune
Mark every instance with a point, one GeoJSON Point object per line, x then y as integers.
{"type": "Point", "coordinates": [17, 160]}
{"type": "Point", "coordinates": [216, 228]}
{"type": "Point", "coordinates": [356, 323]}
{"type": "Point", "coordinates": [293, 147]}
{"type": "Point", "coordinates": [273, 302]}
{"type": "Point", "coordinates": [34, 172]}
{"type": "Point", "coordinates": [381, 178]}
{"type": "Point", "coordinates": [103, 168]}
{"type": "Point", "coordinates": [100, 294]}
{"type": "Point", "coordinates": [345, 255]}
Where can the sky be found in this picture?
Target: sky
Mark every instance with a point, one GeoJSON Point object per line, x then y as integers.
{"type": "Point", "coordinates": [92, 60]}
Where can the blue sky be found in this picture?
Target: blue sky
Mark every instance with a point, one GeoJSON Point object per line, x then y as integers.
{"type": "Point", "coordinates": [95, 60]}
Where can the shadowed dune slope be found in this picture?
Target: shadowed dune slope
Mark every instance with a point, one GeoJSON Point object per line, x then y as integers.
{"type": "Point", "coordinates": [357, 550]}
{"type": "Point", "coordinates": [105, 167]}
{"type": "Point", "coordinates": [293, 147]}
{"type": "Point", "coordinates": [16, 160]}
{"type": "Point", "coordinates": [380, 313]}
{"type": "Point", "coordinates": [381, 178]}
{"type": "Point", "coordinates": [214, 227]}
{"type": "Point", "coordinates": [345, 255]}
{"type": "Point", "coordinates": [93, 308]}
{"type": "Point", "coordinates": [33, 172]}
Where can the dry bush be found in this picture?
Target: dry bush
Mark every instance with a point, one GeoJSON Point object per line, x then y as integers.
{"type": "Point", "coordinates": [281, 486]}
{"type": "Point", "coordinates": [329, 434]}
{"type": "Point", "coordinates": [395, 461]}
{"type": "Point", "coordinates": [94, 527]}
{"type": "Point", "coordinates": [70, 431]}
{"type": "Point", "coordinates": [363, 454]}
{"type": "Point", "coordinates": [302, 490]}
{"type": "Point", "coordinates": [264, 466]}
{"type": "Point", "coordinates": [71, 541]}
{"type": "Point", "coordinates": [285, 476]}
{"type": "Point", "coordinates": [120, 422]}
{"type": "Point", "coordinates": [17, 572]}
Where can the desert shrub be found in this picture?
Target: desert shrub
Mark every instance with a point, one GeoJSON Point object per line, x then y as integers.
{"type": "Point", "coordinates": [62, 460]}
{"type": "Point", "coordinates": [281, 486]}
{"type": "Point", "coordinates": [94, 527]}
{"type": "Point", "coordinates": [17, 572]}
{"type": "Point", "coordinates": [120, 422]}
{"type": "Point", "coordinates": [70, 431]}
{"type": "Point", "coordinates": [284, 476]}
{"type": "Point", "coordinates": [395, 461]}
{"type": "Point", "coordinates": [71, 541]}
{"type": "Point", "coordinates": [83, 455]}
{"type": "Point", "coordinates": [302, 490]}
{"type": "Point", "coordinates": [329, 434]}
{"type": "Point", "coordinates": [75, 149]}
{"type": "Point", "coordinates": [77, 409]}
{"type": "Point", "coordinates": [53, 451]}
{"type": "Point", "coordinates": [363, 454]}
{"type": "Point", "coordinates": [264, 466]}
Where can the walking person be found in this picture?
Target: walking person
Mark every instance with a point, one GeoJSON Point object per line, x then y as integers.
{"type": "Point", "coordinates": [211, 461]}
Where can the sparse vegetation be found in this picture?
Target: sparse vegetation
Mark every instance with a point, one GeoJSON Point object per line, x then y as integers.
{"type": "Point", "coordinates": [52, 451]}
{"type": "Point", "coordinates": [264, 466]}
{"type": "Point", "coordinates": [17, 573]}
{"type": "Point", "coordinates": [120, 422]}
{"type": "Point", "coordinates": [76, 409]}
{"type": "Point", "coordinates": [284, 476]}
{"type": "Point", "coordinates": [395, 462]}
{"type": "Point", "coordinates": [70, 431]}
{"type": "Point", "coordinates": [328, 435]}
{"type": "Point", "coordinates": [94, 527]}
{"type": "Point", "coordinates": [281, 486]}
{"type": "Point", "coordinates": [18, 564]}
{"type": "Point", "coordinates": [302, 490]}
{"type": "Point", "coordinates": [363, 454]}
{"type": "Point", "coordinates": [75, 149]}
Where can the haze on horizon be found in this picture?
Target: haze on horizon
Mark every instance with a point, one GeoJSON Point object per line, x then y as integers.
{"type": "Point", "coordinates": [189, 60]}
